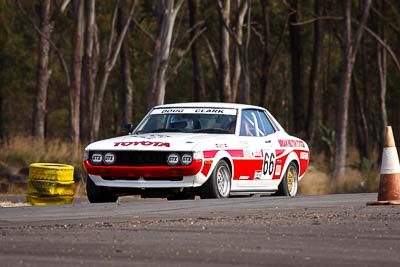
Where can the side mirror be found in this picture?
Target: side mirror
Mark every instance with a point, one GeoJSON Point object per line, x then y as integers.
{"type": "Point", "coordinates": [127, 127]}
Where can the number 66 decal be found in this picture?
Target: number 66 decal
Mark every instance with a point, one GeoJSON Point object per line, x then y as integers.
{"type": "Point", "coordinates": [269, 162]}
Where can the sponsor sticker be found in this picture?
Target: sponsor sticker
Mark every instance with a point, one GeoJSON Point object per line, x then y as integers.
{"type": "Point", "coordinates": [173, 159]}
{"type": "Point", "coordinates": [152, 136]}
{"type": "Point", "coordinates": [258, 154]}
{"type": "Point", "coordinates": [278, 169]}
{"type": "Point", "coordinates": [221, 145]}
{"type": "Point", "coordinates": [142, 143]}
{"type": "Point", "coordinates": [304, 155]}
{"type": "Point", "coordinates": [186, 159]}
{"type": "Point", "coordinates": [246, 149]}
{"type": "Point", "coordinates": [243, 177]}
{"type": "Point", "coordinates": [257, 174]}
{"type": "Point", "coordinates": [109, 158]}
{"type": "Point", "coordinates": [291, 143]}
{"type": "Point", "coordinates": [97, 158]}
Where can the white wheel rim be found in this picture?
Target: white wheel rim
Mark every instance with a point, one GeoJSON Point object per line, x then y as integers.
{"type": "Point", "coordinates": [223, 181]}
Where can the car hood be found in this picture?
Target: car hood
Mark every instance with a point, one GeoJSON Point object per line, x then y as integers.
{"type": "Point", "coordinates": [157, 142]}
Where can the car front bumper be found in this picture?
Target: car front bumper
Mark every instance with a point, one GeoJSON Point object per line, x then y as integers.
{"type": "Point", "coordinates": [146, 176]}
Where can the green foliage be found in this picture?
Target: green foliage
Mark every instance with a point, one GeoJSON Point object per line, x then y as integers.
{"type": "Point", "coordinates": [327, 142]}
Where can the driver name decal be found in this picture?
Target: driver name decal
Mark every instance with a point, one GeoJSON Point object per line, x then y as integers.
{"type": "Point", "coordinates": [176, 110]}
{"type": "Point", "coordinates": [213, 111]}
{"type": "Point", "coordinates": [208, 110]}
{"type": "Point", "coordinates": [142, 143]}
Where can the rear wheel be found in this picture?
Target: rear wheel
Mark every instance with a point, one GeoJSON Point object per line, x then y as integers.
{"type": "Point", "coordinates": [98, 194]}
{"type": "Point", "coordinates": [290, 182]}
{"type": "Point", "coordinates": [219, 183]}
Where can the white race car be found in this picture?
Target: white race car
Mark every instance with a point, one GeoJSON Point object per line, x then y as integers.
{"type": "Point", "coordinates": [214, 150]}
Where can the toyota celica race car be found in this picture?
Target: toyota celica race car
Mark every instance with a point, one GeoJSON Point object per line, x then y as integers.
{"type": "Point", "coordinates": [214, 150]}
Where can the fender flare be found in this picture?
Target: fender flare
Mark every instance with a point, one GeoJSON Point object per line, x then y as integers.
{"type": "Point", "coordinates": [200, 178]}
{"type": "Point", "coordinates": [222, 154]}
{"type": "Point", "coordinates": [291, 157]}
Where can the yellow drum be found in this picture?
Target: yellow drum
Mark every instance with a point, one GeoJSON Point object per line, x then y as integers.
{"type": "Point", "coordinates": [51, 172]}
{"type": "Point", "coordinates": [50, 184]}
{"type": "Point", "coordinates": [51, 188]}
{"type": "Point", "coordinates": [37, 200]}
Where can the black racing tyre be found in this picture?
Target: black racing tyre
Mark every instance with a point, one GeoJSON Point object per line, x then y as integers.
{"type": "Point", "coordinates": [219, 183]}
{"type": "Point", "coordinates": [98, 194]}
{"type": "Point", "coordinates": [290, 182]}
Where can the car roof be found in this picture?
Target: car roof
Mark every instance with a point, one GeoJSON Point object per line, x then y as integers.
{"type": "Point", "coordinates": [209, 105]}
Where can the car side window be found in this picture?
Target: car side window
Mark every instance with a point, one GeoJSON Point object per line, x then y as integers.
{"type": "Point", "coordinates": [249, 124]}
{"type": "Point", "coordinates": [266, 125]}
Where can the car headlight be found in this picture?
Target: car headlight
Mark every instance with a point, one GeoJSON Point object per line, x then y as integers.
{"type": "Point", "coordinates": [186, 159]}
{"type": "Point", "coordinates": [86, 155]}
{"type": "Point", "coordinates": [173, 159]}
{"type": "Point", "coordinates": [197, 155]}
{"type": "Point", "coordinates": [109, 158]}
{"type": "Point", "coordinates": [96, 158]}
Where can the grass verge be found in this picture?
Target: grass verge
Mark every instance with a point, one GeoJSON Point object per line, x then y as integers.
{"type": "Point", "coordinates": [19, 152]}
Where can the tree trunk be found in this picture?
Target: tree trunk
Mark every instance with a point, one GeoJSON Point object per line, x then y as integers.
{"type": "Point", "coordinates": [127, 83]}
{"type": "Point", "coordinates": [168, 11]}
{"type": "Point", "coordinates": [266, 54]}
{"type": "Point", "coordinates": [349, 55]}
{"type": "Point", "coordinates": [76, 73]}
{"type": "Point", "coordinates": [237, 67]}
{"type": "Point", "coordinates": [2, 133]}
{"type": "Point", "coordinates": [382, 68]}
{"type": "Point", "coordinates": [314, 90]}
{"type": "Point", "coordinates": [111, 59]}
{"type": "Point", "coordinates": [361, 102]}
{"type": "Point", "coordinates": [43, 73]}
{"type": "Point", "coordinates": [299, 95]}
{"type": "Point", "coordinates": [244, 58]}
{"type": "Point", "coordinates": [224, 60]}
{"type": "Point", "coordinates": [90, 68]}
{"type": "Point", "coordinates": [361, 124]}
{"type": "Point", "coordinates": [242, 69]}
{"type": "Point", "coordinates": [199, 89]}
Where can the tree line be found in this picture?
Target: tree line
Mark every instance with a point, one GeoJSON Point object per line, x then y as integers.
{"type": "Point", "coordinates": [77, 69]}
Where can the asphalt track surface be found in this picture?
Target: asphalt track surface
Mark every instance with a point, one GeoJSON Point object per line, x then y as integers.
{"type": "Point", "coordinates": [333, 230]}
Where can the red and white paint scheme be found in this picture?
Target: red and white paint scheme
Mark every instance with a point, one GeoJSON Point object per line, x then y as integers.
{"type": "Point", "coordinates": [209, 149]}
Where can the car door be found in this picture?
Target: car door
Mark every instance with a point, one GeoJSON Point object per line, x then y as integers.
{"type": "Point", "coordinates": [257, 166]}
{"type": "Point", "coordinates": [268, 131]}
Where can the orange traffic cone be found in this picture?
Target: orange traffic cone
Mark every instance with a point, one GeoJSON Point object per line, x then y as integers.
{"type": "Point", "coordinates": [389, 186]}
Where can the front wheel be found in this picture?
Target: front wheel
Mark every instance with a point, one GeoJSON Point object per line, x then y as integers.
{"type": "Point", "coordinates": [219, 183]}
{"type": "Point", "coordinates": [290, 182]}
{"type": "Point", "coordinates": [98, 194]}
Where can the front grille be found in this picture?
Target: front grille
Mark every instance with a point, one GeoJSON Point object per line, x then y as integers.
{"type": "Point", "coordinates": [141, 158]}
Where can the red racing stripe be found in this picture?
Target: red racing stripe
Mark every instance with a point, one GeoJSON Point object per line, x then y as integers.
{"type": "Point", "coordinates": [237, 153]}
{"type": "Point", "coordinates": [246, 167]}
{"type": "Point", "coordinates": [208, 154]}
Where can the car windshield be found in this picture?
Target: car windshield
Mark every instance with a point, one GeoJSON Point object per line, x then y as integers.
{"type": "Point", "coordinates": [189, 120]}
